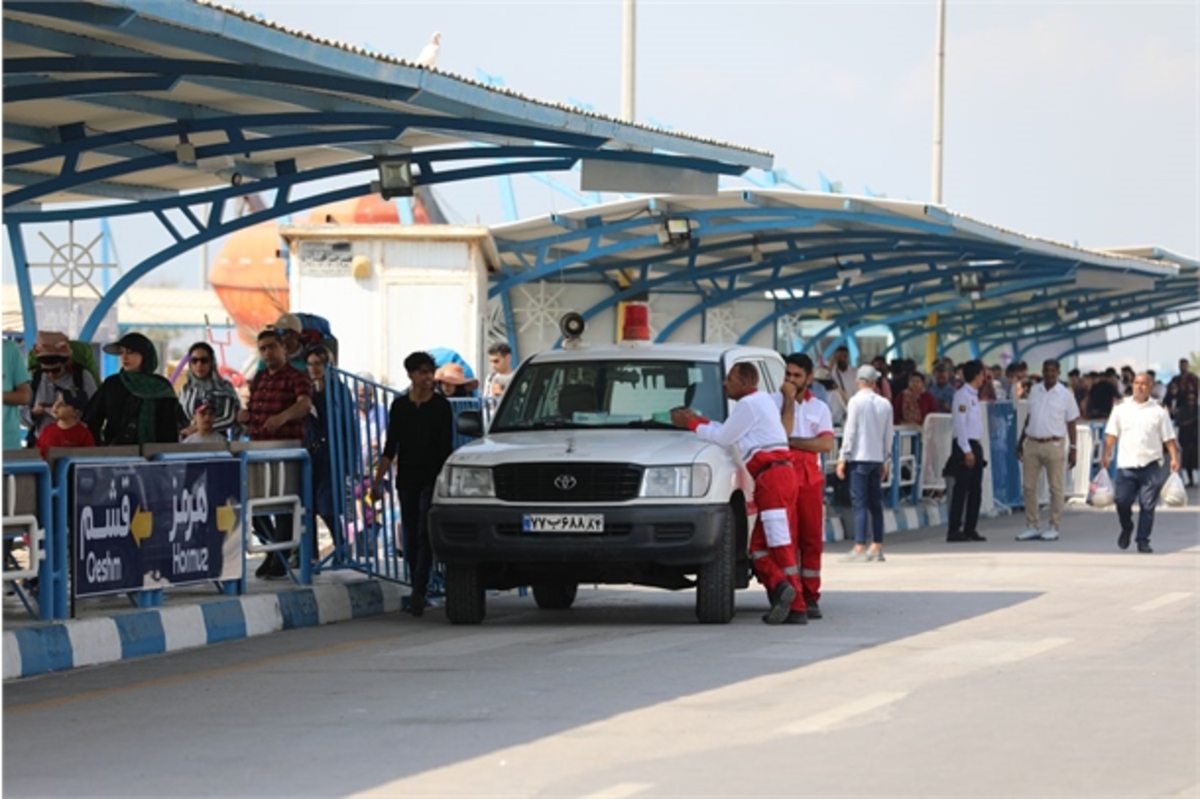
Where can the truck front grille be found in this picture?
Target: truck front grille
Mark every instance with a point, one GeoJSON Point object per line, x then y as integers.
{"type": "Point", "coordinates": [558, 482]}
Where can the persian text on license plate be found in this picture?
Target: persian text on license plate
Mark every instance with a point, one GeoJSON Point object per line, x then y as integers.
{"type": "Point", "coordinates": [563, 523]}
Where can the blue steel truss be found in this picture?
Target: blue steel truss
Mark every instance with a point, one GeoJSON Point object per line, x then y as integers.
{"type": "Point", "coordinates": [142, 143]}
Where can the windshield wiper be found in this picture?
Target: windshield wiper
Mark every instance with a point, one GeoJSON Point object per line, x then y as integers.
{"type": "Point", "coordinates": [652, 424]}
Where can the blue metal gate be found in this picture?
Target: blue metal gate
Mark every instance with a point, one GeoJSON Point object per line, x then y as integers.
{"type": "Point", "coordinates": [365, 519]}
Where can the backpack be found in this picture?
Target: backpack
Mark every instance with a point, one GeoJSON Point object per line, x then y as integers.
{"type": "Point", "coordinates": [316, 330]}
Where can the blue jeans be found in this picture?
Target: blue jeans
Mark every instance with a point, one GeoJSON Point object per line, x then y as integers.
{"type": "Point", "coordinates": [866, 497]}
{"type": "Point", "coordinates": [1143, 483]}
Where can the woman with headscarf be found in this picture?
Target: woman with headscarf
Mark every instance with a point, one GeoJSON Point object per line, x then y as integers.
{"type": "Point", "coordinates": [136, 405]}
{"type": "Point", "coordinates": [205, 386]}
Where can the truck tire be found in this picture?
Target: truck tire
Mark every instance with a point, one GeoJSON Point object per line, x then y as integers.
{"type": "Point", "coordinates": [465, 600]}
{"type": "Point", "coordinates": [715, 581]}
{"type": "Point", "coordinates": [555, 596]}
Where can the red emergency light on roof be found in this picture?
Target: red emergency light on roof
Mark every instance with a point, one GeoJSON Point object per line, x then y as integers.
{"type": "Point", "coordinates": [637, 322]}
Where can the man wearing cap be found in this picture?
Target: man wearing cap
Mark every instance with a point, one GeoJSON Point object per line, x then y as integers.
{"type": "Point", "coordinates": [755, 427]}
{"type": "Point", "coordinates": [280, 399]}
{"type": "Point", "coordinates": [810, 433]}
{"type": "Point", "coordinates": [136, 405]}
{"type": "Point", "coordinates": [17, 393]}
{"type": "Point", "coordinates": [966, 461]}
{"type": "Point", "coordinates": [866, 455]}
{"type": "Point", "coordinates": [289, 327]}
{"type": "Point", "coordinates": [55, 372]}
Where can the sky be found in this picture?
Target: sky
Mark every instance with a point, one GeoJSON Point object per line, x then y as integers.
{"type": "Point", "coordinates": [1075, 121]}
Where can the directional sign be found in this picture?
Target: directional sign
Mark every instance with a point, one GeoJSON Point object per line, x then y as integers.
{"type": "Point", "coordinates": [152, 525]}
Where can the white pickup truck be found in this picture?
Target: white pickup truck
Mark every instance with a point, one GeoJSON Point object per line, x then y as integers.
{"type": "Point", "coordinates": [581, 478]}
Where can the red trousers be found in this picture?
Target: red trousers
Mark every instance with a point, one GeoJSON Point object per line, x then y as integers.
{"type": "Point", "coordinates": [772, 548]}
{"type": "Point", "coordinates": [809, 521]}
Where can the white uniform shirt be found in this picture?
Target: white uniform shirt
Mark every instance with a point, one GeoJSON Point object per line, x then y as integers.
{"type": "Point", "coordinates": [968, 417]}
{"type": "Point", "coordinates": [754, 425]}
{"type": "Point", "coordinates": [1050, 411]}
{"type": "Point", "coordinates": [869, 428]}
{"type": "Point", "coordinates": [811, 418]}
{"type": "Point", "coordinates": [1141, 429]}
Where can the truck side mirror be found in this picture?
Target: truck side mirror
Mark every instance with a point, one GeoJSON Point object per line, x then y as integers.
{"type": "Point", "coordinates": [470, 423]}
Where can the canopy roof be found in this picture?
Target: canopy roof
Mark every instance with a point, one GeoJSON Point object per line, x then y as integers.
{"type": "Point", "coordinates": [863, 260]}
{"type": "Point", "coordinates": [100, 94]}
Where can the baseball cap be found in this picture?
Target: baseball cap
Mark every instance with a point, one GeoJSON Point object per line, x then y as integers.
{"type": "Point", "coordinates": [868, 373]}
{"type": "Point", "coordinates": [289, 321]}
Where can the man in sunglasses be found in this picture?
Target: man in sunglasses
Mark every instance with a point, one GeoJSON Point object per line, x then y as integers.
{"type": "Point", "coordinates": [54, 371]}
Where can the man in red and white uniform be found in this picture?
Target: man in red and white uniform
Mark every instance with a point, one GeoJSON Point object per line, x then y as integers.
{"type": "Point", "coordinates": [810, 432]}
{"type": "Point", "coordinates": [754, 426]}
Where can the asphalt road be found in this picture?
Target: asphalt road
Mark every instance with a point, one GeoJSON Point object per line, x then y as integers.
{"type": "Point", "coordinates": [995, 669]}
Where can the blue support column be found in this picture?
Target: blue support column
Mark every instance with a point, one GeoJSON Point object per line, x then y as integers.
{"type": "Point", "coordinates": [16, 243]}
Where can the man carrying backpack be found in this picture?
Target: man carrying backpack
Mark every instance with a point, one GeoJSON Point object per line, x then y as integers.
{"type": "Point", "coordinates": [54, 370]}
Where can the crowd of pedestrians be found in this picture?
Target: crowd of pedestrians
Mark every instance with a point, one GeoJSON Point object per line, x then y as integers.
{"type": "Point", "coordinates": [1148, 417]}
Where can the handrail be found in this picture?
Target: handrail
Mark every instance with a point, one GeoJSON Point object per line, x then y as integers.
{"type": "Point", "coordinates": [299, 505]}
{"type": "Point", "coordinates": [43, 548]}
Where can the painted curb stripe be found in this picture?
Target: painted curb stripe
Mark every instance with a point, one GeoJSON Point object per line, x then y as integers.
{"type": "Point", "coordinates": [65, 645]}
{"type": "Point", "coordinates": [298, 609]}
{"type": "Point", "coordinates": [141, 634]}
{"type": "Point", "coordinates": [225, 621]}
{"type": "Point", "coordinates": [44, 649]}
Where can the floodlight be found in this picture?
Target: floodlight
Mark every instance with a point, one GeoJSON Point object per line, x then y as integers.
{"type": "Point", "coordinates": [395, 177]}
{"type": "Point", "coordinates": [675, 231]}
{"type": "Point", "coordinates": [969, 282]}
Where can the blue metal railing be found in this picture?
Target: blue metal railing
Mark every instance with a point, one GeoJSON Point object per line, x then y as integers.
{"type": "Point", "coordinates": [43, 545]}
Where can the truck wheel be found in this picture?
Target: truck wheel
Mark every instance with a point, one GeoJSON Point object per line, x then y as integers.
{"type": "Point", "coordinates": [465, 601]}
{"type": "Point", "coordinates": [715, 583]}
{"type": "Point", "coordinates": [555, 596]}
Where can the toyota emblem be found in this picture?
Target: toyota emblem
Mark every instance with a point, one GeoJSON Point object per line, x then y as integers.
{"type": "Point", "coordinates": [565, 482]}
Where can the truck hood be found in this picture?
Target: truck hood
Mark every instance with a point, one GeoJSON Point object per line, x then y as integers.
{"type": "Point", "coordinates": [647, 447]}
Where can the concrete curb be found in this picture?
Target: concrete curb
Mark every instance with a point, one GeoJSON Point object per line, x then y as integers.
{"type": "Point", "coordinates": [895, 520]}
{"type": "Point", "coordinates": [66, 645]}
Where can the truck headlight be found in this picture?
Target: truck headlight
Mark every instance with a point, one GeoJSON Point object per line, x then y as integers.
{"type": "Point", "coordinates": [676, 481]}
{"type": "Point", "coordinates": [471, 482]}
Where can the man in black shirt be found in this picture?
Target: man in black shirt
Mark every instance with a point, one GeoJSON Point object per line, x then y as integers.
{"type": "Point", "coordinates": [418, 443]}
{"type": "Point", "coordinates": [1102, 395]}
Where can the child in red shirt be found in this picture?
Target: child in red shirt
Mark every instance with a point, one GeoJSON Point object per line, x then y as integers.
{"type": "Point", "coordinates": [67, 431]}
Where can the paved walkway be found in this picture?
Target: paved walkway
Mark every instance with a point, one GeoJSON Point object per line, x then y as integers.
{"type": "Point", "coordinates": [109, 629]}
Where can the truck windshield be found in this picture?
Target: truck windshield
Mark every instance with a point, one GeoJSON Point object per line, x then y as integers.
{"type": "Point", "coordinates": [611, 394]}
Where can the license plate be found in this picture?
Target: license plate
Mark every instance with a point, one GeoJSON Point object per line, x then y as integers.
{"type": "Point", "coordinates": [563, 523]}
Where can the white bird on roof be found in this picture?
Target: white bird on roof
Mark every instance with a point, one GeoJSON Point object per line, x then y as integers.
{"type": "Point", "coordinates": [429, 55]}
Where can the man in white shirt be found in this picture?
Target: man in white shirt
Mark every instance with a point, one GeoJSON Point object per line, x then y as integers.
{"type": "Point", "coordinates": [1050, 422]}
{"type": "Point", "coordinates": [810, 433]}
{"type": "Point", "coordinates": [755, 427]}
{"type": "Point", "coordinates": [866, 454]}
{"type": "Point", "coordinates": [1143, 427]}
{"type": "Point", "coordinates": [843, 373]}
{"type": "Point", "coordinates": [966, 461]}
{"type": "Point", "coordinates": [500, 359]}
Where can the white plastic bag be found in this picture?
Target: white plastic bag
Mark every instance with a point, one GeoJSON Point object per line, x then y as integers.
{"type": "Point", "coordinates": [1100, 492]}
{"type": "Point", "coordinates": [1173, 492]}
